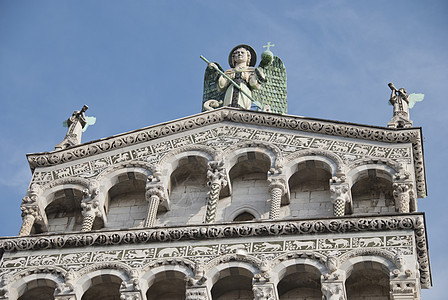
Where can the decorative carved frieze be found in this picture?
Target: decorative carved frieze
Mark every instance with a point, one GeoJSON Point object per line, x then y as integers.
{"type": "Point", "coordinates": [217, 233]}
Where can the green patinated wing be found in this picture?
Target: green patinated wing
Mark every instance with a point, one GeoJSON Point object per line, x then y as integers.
{"type": "Point", "coordinates": [89, 121]}
{"type": "Point", "coordinates": [273, 91]}
{"type": "Point", "coordinates": [414, 98]}
{"type": "Point", "coordinates": [211, 87]}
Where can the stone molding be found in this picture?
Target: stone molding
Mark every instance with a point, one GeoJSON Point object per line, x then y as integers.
{"type": "Point", "coordinates": [413, 222]}
{"type": "Point", "coordinates": [338, 129]}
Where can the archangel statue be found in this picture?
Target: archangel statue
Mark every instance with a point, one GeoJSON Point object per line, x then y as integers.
{"type": "Point", "coordinates": [244, 85]}
{"type": "Point", "coordinates": [76, 124]}
{"type": "Point", "coordinates": [402, 102]}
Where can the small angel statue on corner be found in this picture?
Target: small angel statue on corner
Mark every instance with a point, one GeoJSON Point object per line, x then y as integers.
{"type": "Point", "coordinates": [76, 124]}
{"type": "Point", "coordinates": [402, 102]}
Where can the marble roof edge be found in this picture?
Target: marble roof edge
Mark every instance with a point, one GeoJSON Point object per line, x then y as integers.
{"type": "Point", "coordinates": [326, 127]}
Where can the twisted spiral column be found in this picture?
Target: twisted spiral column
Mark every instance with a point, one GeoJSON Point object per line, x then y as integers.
{"type": "Point", "coordinates": [154, 202]}
{"type": "Point", "coordinates": [277, 188]}
{"type": "Point", "coordinates": [216, 176]}
{"type": "Point", "coordinates": [155, 194]}
{"type": "Point", "coordinates": [215, 189]}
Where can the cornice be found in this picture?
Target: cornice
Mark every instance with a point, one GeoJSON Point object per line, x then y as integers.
{"type": "Point", "coordinates": [337, 225]}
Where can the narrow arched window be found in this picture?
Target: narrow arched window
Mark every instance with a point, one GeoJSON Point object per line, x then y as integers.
{"type": "Point", "coordinates": [244, 216]}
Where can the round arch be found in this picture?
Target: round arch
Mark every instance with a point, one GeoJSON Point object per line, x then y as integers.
{"type": "Point", "coordinates": [382, 171]}
{"type": "Point", "coordinates": [36, 280]}
{"type": "Point", "coordinates": [231, 277]}
{"type": "Point", "coordinates": [233, 153]}
{"type": "Point", "coordinates": [329, 161]}
{"type": "Point", "coordinates": [97, 275]}
{"type": "Point", "coordinates": [153, 274]}
{"type": "Point", "coordinates": [286, 267]}
{"type": "Point", "coordinates": [170, 161]}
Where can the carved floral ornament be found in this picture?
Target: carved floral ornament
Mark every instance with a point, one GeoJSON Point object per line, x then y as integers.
{"type": "Point", "coordinates": [159, 236]}
{"type": "Point", "coordinates": [360, 132]}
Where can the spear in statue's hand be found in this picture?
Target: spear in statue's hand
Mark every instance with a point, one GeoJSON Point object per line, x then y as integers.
{"type": "Point", "coordinates": [258, 104]}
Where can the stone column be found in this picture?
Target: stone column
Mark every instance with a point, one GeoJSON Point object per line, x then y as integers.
{"type": "Point", "coordinates": [333, 283]}
{"type": "Point", "coordinates": [30, 209]}
{"type": "Point", "coordinates": [90, 209]}
{"type": "Point", "coordinates": [155, 194]}
{"type": "Point", "coordinates": [340, 194]}
{"type": "Point", "coordinates": [403, 194]}
{"type": "Point", "coordinates": [277, 188]}
{"type": "Point", "coordinates": [217, 179]}
{"type": "Point", "coordinates": [30, 214]}
{"type": "Point", "coordinates": [264, 291]}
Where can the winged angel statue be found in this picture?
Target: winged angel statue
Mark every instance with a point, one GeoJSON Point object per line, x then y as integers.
{"type": "Point", "coordinates": [402, 102]}
{"type": "Point", "coordinates": [244, 85]}
{"type": "Point", "coordinates": [77, 124]}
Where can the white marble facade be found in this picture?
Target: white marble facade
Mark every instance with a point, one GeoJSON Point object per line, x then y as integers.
{"type": "Point", "coordinates": [226, 204]}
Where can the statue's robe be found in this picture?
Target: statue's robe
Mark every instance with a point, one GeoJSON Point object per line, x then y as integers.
{"type": "Point", "coordinates": [247, 79]}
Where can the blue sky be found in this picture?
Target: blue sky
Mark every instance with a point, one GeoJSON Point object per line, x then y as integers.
{"type": "Point", "coordinates": [136, 63]}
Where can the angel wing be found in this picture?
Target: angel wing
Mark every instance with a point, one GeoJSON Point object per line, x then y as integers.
{"type": "Point", "coordinates": [211, 86]}
{"type": "Point", "coordinates": [273, 91]}
{"type": "Point", "coordinates": [89, 121]}
{"type": "Point", "coordinates": [414, 98]}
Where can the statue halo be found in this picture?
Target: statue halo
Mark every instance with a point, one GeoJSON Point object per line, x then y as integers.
{"type": "Point", "coordinates": [253, 55]}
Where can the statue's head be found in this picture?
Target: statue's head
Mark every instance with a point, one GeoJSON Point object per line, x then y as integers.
{"type": "Point", "coordinates": [242, 53]}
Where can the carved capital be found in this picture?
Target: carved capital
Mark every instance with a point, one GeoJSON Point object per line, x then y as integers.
{"type": "Point", "coordinates": [130, 296]}
{"type": "Point", "coordinates": [90, 210]}
{"type": "Point", "coordinates": [155, 190]}
{"type": "Point", "coordinates": [264, 292]}
{"type": "Point", "coordinates": [216, 174]}
{"type": "Point", "coordinates": [341, 192]}
{"type": "Point", "coordinates": [30, 214]}
{"type": "Point", "coordinates": [277, 183]}
{"type": "Point", "coordinates": [340, 195]}
{"type": "Point", "coordinates": [404, 289]}
{"type": "Point", "coordinates": [333, 290]}
{"type": "Point", "coordinates": [196, 293]}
